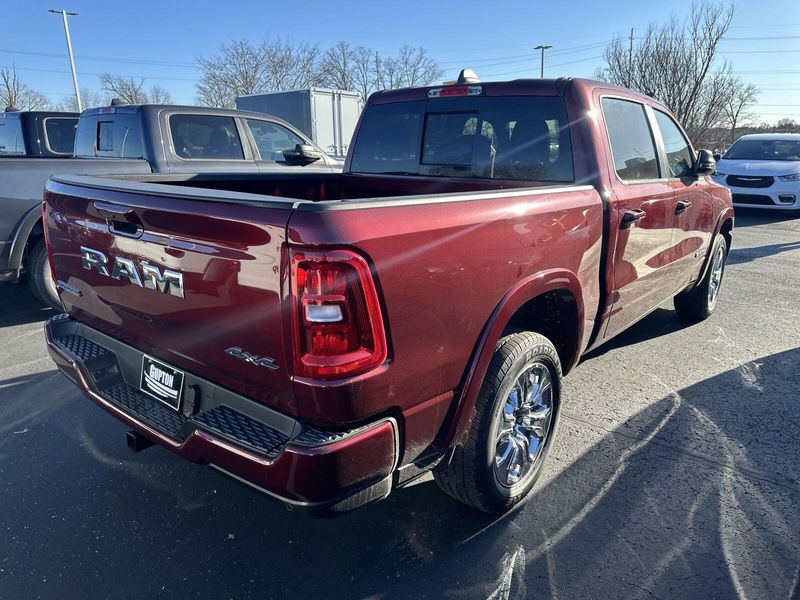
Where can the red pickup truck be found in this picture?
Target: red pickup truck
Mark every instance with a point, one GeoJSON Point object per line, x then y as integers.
{"type": "Point", "coordinates": [326, 338]}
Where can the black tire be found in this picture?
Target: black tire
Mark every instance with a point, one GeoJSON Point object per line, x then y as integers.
{"type": "Point", "coordinates": [698, 303]}
{"type": "Point", "coordinates": [40, 279]}
{"type": "Point", "coordinates": [471, 476]}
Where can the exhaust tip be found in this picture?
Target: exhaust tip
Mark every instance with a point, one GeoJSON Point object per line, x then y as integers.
{"type": "Point", "coordinates": [137, 442]}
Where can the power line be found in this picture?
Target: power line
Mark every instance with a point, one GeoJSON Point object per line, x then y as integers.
{"type": "Point", "coordinates": [104, 59]}
{"type": "Point", "coordinates": [98, 74]}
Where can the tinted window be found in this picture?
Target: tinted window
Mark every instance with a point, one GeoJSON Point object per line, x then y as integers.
{"type": "Point", "coordinates": [60, 134]}
{"type": "Point", "coordinates": [11, 140]}
{"type": "Point", "coordinates": [105, 136]}
{"type": "Point", "coordinates": [499, 138]}
{"type": "Point", "coordinates": [679, 153]}
{"type": "Point", "coordinates": [204, 136]}
{"type": "Point", "coordinates": [631, 141]}
{"type": "Point", "coordinates": [109, 136]}
{"type": "Point", "coordinates": [272, 139]}
{"type": "Point", "coordinates": [764, 150]}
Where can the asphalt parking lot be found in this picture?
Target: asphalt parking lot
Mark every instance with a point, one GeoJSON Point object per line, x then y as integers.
{"type": "Point", "coordinates": [676, 475]}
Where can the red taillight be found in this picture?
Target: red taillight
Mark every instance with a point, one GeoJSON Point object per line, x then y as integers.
{"type": "Point", "coordinates": [338, 326]}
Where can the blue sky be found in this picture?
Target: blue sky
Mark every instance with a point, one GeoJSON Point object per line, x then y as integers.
{"type": "Point", "coordinates": [161, 40]}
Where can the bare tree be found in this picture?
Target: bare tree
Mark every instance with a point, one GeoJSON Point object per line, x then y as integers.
{"type": "Point", "coordinates": [159, 95]}
{"type": "Point", "coordinates": [241, 68]}
{"type": "Point", "coordinates": [275, 65]}
{"type": "Point", "coordinates": [89, 99]}
{"type": "Point", "coordinates": [127, 89]}
{"type": "Point", "coordinates": [15, 94]}
{"type": "Point", "coordinates": [131, 90]}
{"type": "Point", "coordinates": [741, 97]}
{"type": "Point", "coordinates": [673, 62]}
{"type": "Point", "coordinates": [339, 65]}
{"type": "Point", "coordinates": [416, 68]}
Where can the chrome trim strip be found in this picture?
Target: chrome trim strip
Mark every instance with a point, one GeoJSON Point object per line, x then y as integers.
{"type": "Point", "coordinates": [70, 289]}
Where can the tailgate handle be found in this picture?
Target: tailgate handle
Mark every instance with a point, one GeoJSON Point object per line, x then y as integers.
{"type": "Point", "coordinates": [121, 219]}
{"type": "Point", "coordinates": [116, 212]}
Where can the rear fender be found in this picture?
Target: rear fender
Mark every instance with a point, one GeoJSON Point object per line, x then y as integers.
{"type": "Point", "coordinates": [21, 235]}
{"type": "Point", "coordinates": [525, 290]}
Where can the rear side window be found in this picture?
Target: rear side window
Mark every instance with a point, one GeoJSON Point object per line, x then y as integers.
{"type": "Point", "coordinates": [520, 138]}
{"type": "Point", "coordinates": [272, 140]}
{"type": "Point", "coordinates": [679, 152]}
{"type": "Point", "coordinates": [60, 134]}
{"type": "Point", "coordinates": [205, 137]}
{"type": "Point", "coordinates": [632, 145]}
{"type": "Point", "coordinates": [109, 136]}
{"type": "Point", "coordinates": [11, 140]}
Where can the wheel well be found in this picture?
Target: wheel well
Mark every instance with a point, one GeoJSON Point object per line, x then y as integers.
{"type": "Point", "coordinates": [36, 234]}
{"type": "Point", "coordinates": [725, 231]}
{"type": "Point", "coordinates": [555, 316]}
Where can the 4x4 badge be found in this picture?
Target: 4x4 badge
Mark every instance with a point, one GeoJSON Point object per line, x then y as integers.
{"type": "Point", "coordinates": [259, 361]}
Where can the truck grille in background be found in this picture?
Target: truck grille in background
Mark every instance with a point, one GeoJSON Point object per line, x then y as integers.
{"type": "Point", "coordinates": [749, 182]}
{"type": "Point", "coordinates": [753, 199]}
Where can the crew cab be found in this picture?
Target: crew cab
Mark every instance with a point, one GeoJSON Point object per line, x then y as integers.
{"type": "Point", "coordinates": [37, 133]}
{"type": "Point", "coordinates": [128, 139]}
{"type": "Point", "coordinates": [329, 338]}
{"type": "Point", "coordinates": [763, 171]}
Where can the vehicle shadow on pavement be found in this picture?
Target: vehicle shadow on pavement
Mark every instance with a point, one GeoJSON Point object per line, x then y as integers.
{"type": "Point", "coordinates": [739, 256]}
{"type": "Point", "coordinates": [18, 306]}
{"type": "Point", "coordinates": [692, 497]}
{"type": "Point", "coordinates": [751, 217]}
{"type": "Point", "coordinates": [662, 321]}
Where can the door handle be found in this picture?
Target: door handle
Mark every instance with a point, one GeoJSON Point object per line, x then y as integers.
{"type": "Point", "coordinates": [629, 217]}
{"type": "Point", "coordinates": [116, 212]}
{"type": "Point", "coordinates": [681, 206]}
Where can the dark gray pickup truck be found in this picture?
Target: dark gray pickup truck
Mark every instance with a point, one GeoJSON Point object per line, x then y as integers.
{"type": "Point", "coordinates": [37, 133]}
{"type": "Point", "coordinates": [139, 139]}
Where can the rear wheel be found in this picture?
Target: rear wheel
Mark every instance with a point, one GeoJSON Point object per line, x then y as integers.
{"type": "Point", "coordinates": [40, 279]}
{"type": "Point", "coordinates": [515, 419]}
{"type": "Point", "coordinates": [699, 302]}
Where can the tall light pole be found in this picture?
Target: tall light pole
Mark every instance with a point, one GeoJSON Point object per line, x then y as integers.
{"type": "Point", "coordinates": [542, 48]}
{"type": "Point", "coordinates": [64, 14]}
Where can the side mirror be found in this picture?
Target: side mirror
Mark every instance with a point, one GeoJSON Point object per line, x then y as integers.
{"type": "Point", "coordinates": [705, 164]}
{"type": "Point", "coordinates": [302, 153]}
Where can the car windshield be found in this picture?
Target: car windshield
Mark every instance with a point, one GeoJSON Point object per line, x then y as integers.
{"type": "Point", "coordinates": [764, 150]}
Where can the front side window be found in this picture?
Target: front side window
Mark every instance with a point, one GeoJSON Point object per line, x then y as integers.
{"type": "Point", "coordinates": [272, 140]}
{"type": "Point", "coordinates": [60, 134]}
{"type": "Point", "coordinates": [632, 145]}
{"type": "Point", "coordinates": [680, 157]}
{"type": "Point", "coordinates": [520, 138]}
{"type": "Point", "coordinates": [205, 137]}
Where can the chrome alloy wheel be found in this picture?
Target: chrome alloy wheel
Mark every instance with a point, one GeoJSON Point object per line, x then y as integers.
{"type": "Point", "coordinates": [522, 428]}
{"type": "Point", "coordinates": [716, 276]}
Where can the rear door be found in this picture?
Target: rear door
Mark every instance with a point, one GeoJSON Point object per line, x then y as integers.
{"type": "Point", "coordinates": [119, 248]}
{"type": "Point", "coordinates": [694, 214]}
{"type": "Point", "coordinates": [645, 214]}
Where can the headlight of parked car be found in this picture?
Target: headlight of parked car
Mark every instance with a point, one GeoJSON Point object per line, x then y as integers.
{"type": "Point", "coordinates": [717, 174]}
{"type": "Point", "coordinates": [792, 177]}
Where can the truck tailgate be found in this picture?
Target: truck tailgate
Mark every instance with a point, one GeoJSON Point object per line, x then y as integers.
{"type": "Point", "coordinates": [181, 274]}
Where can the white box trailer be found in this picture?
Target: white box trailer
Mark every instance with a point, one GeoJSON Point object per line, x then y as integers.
{"type": "Point", "coordinates": [327, 116]}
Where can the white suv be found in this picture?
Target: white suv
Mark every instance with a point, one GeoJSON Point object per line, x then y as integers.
{"type": "Point", "coordinates": [763, 171]}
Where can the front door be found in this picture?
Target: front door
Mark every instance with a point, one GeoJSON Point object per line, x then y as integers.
{"type": "Point", "coordinates": [643, 210]}
{"type": "Point", "coordinates": [693, 206]}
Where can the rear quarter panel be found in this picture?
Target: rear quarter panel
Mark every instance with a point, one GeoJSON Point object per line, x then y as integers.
{"type": "Point", "coordinates": [442, 269]}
